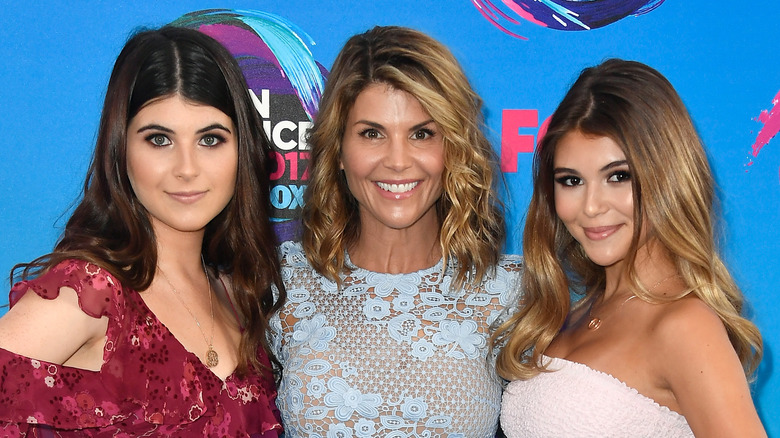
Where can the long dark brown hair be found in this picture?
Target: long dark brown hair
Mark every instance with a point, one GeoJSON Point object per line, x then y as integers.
{"type": "Point", "coordinates": [111, 228]}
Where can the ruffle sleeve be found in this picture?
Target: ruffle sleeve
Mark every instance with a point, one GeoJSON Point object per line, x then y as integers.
{"type": "Point", "coordinates": [99, 293]}
{"type": "Point", "coordinates": [36, 392]}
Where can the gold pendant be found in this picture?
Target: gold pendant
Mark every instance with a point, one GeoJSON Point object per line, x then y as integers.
{"type": "Point", "coordinates": [594, 324]}
{"type": "Point", "coordinates": [212, 358]}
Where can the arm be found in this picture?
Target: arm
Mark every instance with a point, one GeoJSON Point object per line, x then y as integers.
{"type": "Point", "coordinates": [54, 330]}
{"type": "Point", "coordinates": [705, 374]}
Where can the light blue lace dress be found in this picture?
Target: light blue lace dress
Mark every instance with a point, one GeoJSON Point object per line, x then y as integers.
{"type": "Point", "coordinates": [389, 355]}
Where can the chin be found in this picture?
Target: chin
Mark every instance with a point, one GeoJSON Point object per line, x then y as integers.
{"type": "Point", "coordinates": [606, 261]}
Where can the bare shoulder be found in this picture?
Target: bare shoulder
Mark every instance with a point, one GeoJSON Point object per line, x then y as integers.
{"type": "Point", "coordinates": [688, 319]}
{"type": "Point", "coordinates": [696, 361]}
{"type": "Point", "coordinates": [49, 329]}
{"type": "Point", "coordinates": [686, 336]}
{"type": "Point", "coordinates": [687, 329]}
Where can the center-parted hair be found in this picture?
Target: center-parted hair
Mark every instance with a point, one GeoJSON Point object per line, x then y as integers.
{"type": "Point", "coordinates": [111, 228]}
{"type": "Point", "coordinates": [674, 198]}
{"type": "Point", "coordinates": [472, 227]}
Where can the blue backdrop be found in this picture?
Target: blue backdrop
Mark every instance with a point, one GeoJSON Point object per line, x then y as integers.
{"type": "Point", "coordinates": [57, 55]}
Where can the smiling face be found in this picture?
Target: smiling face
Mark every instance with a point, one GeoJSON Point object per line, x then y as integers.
{"type": "Point", "coordinates": [594, 197]}
{"type": "Point", "coordinates": [182, 161]}
{"type": "Point", "coordinates": [393, 159]}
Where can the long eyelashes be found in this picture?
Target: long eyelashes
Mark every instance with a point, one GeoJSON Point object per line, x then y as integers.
{"type": "Point", "coordinates": [211, 140]}
{"type": "Point", "coordinates": [420, 134]}
{"type": "Point", "coordinates": [369, 133]}
{"type": "Point", "coordinates": [158, 140]}
{"type": "Point", "coordinates": [162, 140]}
{"type": "Point", "coordinates": [620, 176]}
{"type": "Point", "coordinates": [423, 134]}
{"type": "Point", "coordinates": [568, 180]}
{"type": "Point", "coordinates": [614, 177]}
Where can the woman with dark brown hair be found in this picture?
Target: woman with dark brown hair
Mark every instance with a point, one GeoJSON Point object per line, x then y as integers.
{"type": "Point", "coordinates": [149, 316]}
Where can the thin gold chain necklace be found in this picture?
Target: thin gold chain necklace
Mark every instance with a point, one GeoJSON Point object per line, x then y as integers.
{"type": "Point", "coordinates": [212, 358]}
{"type": "Point", "coordinates": [595, 322]}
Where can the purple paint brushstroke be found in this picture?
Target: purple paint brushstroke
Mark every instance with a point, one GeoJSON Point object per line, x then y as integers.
{"type": "Point", "coordinates": [566, 15]}
{"type": "Point", "coordinates": [257, 61]}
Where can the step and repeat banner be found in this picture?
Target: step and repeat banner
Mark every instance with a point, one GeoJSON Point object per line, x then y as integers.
{"type": "Point", "coordinates": [521, 57]}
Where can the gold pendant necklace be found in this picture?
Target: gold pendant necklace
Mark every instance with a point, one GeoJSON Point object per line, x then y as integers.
{"type": "Point", "coordinates": [212, 358]}
{"type": "Point", "coordinates": [595, 322]}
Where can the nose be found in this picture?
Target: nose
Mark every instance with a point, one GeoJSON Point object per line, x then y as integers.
{"type": "Point", "coordinates": [595, 201]}
{"type": "Point", "coordinates": [186, 164]}
{"type": "Point", "coordinates": [399, 153]}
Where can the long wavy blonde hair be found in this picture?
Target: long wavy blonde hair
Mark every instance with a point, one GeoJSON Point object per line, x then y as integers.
{"type": "Point", "coordinates": [674, 194]}
{"type": "Point", "coordinates": [472, 228]}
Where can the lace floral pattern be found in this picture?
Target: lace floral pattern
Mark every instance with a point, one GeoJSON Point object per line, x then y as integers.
{"type": "Point", "coordinates": [389, 355]}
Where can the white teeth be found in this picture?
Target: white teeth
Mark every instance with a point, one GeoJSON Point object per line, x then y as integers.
{"type": "Point", "coordinates": [397, 188]}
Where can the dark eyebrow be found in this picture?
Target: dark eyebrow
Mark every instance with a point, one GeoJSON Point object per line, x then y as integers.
{"type": "Point", "coordinates": [614, 164]}
{"type": "Point", "coordinates": [603, 169]}
{"type": "Point", "coordinates": [564, 170]}
{"type": "Point", "coordinates": [371, 124]}
{"type": "Point", "coordinates": [420, 125]}
{"type": "Point", "coordinates": [155, 127]}
{"type": "Point", "coordinates": [380, 126]}
{"type": "Point", "coordinates": [214, 126]}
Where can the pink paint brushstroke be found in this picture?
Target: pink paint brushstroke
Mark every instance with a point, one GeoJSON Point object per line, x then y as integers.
{"type": "Point", "coordinates": [771, 121]}
{"type": "Point", "coordinates": [521, 12]}
{"type": "Point", "coordinates": [488, 10]}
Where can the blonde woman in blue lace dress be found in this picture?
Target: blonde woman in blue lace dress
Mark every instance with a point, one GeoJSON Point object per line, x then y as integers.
{"type": "Point", "coordinates": [398, 281]}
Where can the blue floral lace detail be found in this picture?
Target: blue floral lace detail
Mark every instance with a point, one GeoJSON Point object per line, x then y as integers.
{"type": "Point", "coordinates": [392, 355]}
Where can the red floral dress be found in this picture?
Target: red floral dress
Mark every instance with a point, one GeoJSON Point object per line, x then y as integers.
{"type": "Point", "coordinates": [149, 385]}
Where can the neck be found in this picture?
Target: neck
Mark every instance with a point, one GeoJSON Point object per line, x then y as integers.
{"type": "Point", "coordinates": [382, 249]}
{"type": "Point", "coordinates": [616, 279]}
{"type": "Point", "coordinates": [179, 253]}
{"type": "Point", "coordinates": [653, 267]}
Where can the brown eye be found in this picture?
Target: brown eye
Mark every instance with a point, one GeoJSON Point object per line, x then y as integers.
{"type": "Point", "coordinates": [568, 181]}
{"type": "Point", "coordinates": [422, 134]}
{"type": "Point", "coordinates": [620, 176]}
{"type": "Point", "coordinates": [370, 133]}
